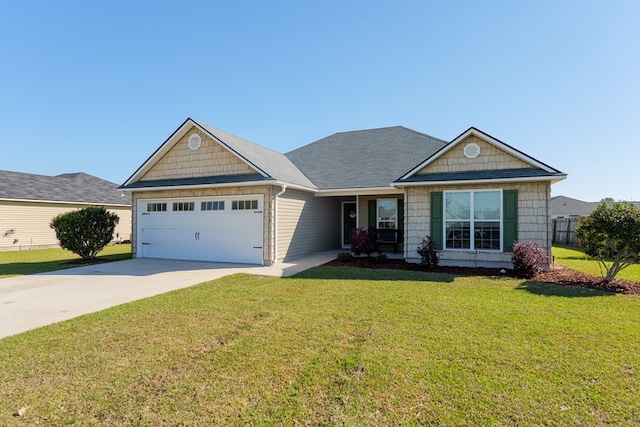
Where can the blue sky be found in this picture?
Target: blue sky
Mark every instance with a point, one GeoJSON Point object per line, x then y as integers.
{"type": "Point", "coordinates": [96, 86]}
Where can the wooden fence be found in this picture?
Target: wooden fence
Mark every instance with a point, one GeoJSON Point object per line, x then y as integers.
{"type": "Point", "coordinates": [564, 230]}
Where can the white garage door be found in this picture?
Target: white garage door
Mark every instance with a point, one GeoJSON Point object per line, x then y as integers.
{"type": "Point", "coordinates": [223, 229]}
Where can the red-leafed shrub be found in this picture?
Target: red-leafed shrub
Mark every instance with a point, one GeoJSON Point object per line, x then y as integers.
{"type": "Point", "coordinates": [528, 259]}
{"type": "Point", "coordinates": [364, 241]}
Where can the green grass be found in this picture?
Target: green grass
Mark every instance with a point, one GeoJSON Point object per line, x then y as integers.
{"type": "Point", "coordinates": [575, 259]}
{"type": "Point", "coordinates": [16, 263]}
{"type": "Point", "coordinates": [336, 346]}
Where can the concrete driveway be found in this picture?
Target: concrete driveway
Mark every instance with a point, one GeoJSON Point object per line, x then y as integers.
{"type": "Point", "coordinates": [28, 302]}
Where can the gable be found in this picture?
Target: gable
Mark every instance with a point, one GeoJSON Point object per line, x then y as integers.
{"type": "Point", "coordinates": [210, 159]}
{"type": "Point", "coordinates": [491, 157]}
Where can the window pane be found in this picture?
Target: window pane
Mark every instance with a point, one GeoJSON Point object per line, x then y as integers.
{"type": "Point", "coordinates": [486, 205]}
{"type": "Point", "coordinates": [458, 235]}
{"type": "Point", "coordinates": [458, 205]}
{"type": "Point", "coordinates": [387, 213]}
{"type": "Point", "coordinates": [487, 235]}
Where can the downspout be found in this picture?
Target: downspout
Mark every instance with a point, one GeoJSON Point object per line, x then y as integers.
{"type": "Point", "coordinates": [549, 236]}
{"type": "Point", "coordinates": [275, 223]}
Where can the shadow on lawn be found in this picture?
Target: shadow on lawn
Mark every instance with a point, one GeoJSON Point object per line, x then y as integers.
{"type": "Point", "coordinates": [356, 273]}
{"type": "Point", "coordinates": [555, 290]}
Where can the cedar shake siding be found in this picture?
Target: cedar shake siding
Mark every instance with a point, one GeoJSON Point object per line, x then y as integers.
{"type": "Point", "coordinates": [211, 159]}
{"type": "Point", "coordinates": [490, 158]}
{"type": "Point", "coordinates": [534, 223]}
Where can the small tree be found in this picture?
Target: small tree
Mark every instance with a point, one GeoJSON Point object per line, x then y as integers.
{"type": "Point", "coordinates": [85, 232]}
{"type": "Point", "coordinates": [611, 234]}
{"type": "Point", "coordinates": [428, 253]}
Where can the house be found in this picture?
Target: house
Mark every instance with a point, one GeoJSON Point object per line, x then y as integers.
{"type": "Point", "coordinates": [566, 207]}
{"type": "Point", "coordinates": [29, 202]}
{"type": "Point", "coordinates": [205, 194]}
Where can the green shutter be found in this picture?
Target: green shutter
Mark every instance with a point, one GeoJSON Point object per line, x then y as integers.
{"type": "Point", "coordinates": [510, 219]}
{"type": "Point", "coordinates": [373, 213]}
{"type": "Point", "coordinates": [436, 219]}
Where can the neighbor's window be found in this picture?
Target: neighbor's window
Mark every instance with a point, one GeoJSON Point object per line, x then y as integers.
{"type": "Point", "coordinates": [387, 213]}
{"type": "Point", "coordinates": [212, 206]}
{"type": "Point", "coordinates": [156, 207]}
{"type": "Point", "coordinates": [183, 206]}
{"type": "Point", "coordinates": [240, 205]}
{"type": "Point", "coordinates": [473, 219]}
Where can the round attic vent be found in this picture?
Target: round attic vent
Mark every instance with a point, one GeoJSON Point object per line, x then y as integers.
{"type": "Point", "coordinates": [195, 141]}
{"type": "Point", "coordinates": [472, 150]}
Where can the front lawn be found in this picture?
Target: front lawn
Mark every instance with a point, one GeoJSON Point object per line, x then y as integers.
{"type": "Point", "coordinates": [575, 259]}
{"type": "Point", "coordinates": [335, 346]}
{"type": "Point", "coordinates": [16, 263]}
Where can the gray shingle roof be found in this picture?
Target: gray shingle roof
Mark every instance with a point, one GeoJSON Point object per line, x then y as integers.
{"type": "Point", "coordinates": [205, 180]}
{"type": "Point", "coordinates": [274, 164]}
{"type": "Point", "coordinates": [70, 187]}
{"type": "Point", "coordinates": [366, 158]}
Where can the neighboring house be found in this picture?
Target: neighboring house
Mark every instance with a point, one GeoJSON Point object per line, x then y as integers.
{"type": "Point", "coordinates": [205, 194]}
{"type": "Point", "coordinates": [29, 202]}
{"type": "Point", "coordinates": [566, 207]}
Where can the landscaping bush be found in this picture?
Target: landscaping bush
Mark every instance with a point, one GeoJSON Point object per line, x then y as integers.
{"type": "Point", "coordinates": [528, 259]}
{"type": "Point", "coordinates": [85, 232]}
{"type": "Point", "coordinates": [428, 253]}
{"type": "Point", "coordinates": [364, 241]}
{"type": "Point", "coordinates": [381, 258]}
{"type": "Point", "coordinates": [344, 256]}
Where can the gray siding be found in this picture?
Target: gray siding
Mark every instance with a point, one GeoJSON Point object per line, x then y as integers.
{"type": "Point", "coordinates": [307, 224]}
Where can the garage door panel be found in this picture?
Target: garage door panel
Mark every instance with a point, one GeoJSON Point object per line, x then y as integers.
{"type": "Point", "coordinates": [223, 236]}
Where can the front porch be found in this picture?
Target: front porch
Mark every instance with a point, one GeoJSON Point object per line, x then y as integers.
{"type": "Point", "coordinates": [383, 213]}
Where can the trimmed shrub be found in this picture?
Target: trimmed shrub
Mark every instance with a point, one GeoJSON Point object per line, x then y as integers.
{"type": "Point", "coordinates": [428, 253]}
{"type": "Point", "coordinates": [364, 241]}
{"type": "Point", "coordinates": [381, 258]}
{"type": "Point", "coordinates": [85, 232]}
{"type": "Point", "coordinates": [528, 259]}
{"type": "Point", "coordinates": [344, 256]}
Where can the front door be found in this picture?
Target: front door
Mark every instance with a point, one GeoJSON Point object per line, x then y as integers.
{"type": "Point", "coordinates": [349, 221]}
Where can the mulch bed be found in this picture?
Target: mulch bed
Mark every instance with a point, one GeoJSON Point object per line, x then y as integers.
{"type": "Point", "coordinates": [560, 275]}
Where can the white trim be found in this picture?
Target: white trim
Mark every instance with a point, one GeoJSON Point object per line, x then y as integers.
{"type": "Point", "coordinates": [63, 203]}
{"type": "Point", "coordinates": [486, 138]}
{"type": "Point", "coordinates": [296, 187]}
{"type": "Point", "coordinates": [378, 212]}
{"type": "Point", "coordinates": [553, 180]}
{"type": "Point", "coordinates": [471, 220]}
{"type": "Point", "coordinates": [198, 186]}
{"type": "Point", "coordinates": [372, 191]}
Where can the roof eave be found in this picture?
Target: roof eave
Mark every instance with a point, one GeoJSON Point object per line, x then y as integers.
{"type": "Point", "coordinates": [362, 191]}
{"type": "Point", "coordinates": [552, 179]}
{"type": "Point", "coordinates": [64, 202]}
{"type": "Point", "coordinates": [198, 186]}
